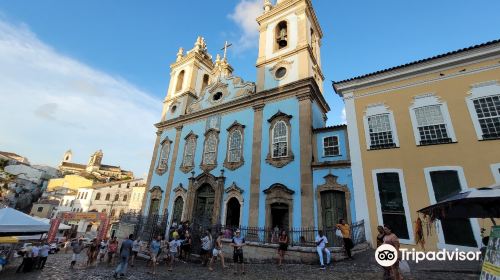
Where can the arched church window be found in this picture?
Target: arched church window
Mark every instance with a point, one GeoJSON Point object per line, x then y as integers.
{"type": "Point", "coordinates": [107, 197]}
{"type": "Point", "coordinates": [280, 141]}
{"type": "Point", "coordinates": [189, 152]}
{"type": "Point", "coordinates": [206, 80]}
{"type": "Point", "coordinates": [117, 196]}
{"type": "Point", "coordinates": [180, 81]}
{"type": "Point", "coordinates": [98, 196]}
{"type": "Point", "coordinates": [234, 152]}
{"type": "Point", "coordinates": [280, 151]}
{"type": "Point", "coordinates": [164, 154]}
{"type": "Point", "coordinates": [125, 198]}
{"type": "Point", "coordinates": [281, 35]}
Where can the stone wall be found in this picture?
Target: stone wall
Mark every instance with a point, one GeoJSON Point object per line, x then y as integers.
{"type": "Point", "coordinates": [264, 253]}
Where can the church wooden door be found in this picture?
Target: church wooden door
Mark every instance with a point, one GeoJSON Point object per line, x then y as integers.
{"type": "Point", "coordinates": [205, 197]}
{"type": "Point", "coordinates": [333, 208]}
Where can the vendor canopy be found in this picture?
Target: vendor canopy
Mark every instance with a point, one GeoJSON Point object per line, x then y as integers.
{"type": "Point", "coordinates": [472, 203]}
{"type": "Point", "coordinates": [15, 223]}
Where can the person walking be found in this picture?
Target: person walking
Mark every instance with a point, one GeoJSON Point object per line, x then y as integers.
{"type": "Point", "coordinates": [391, 239]}
{"type": "Point", "coordinates": [77, 248]}
{"type": "Point", "coordinates": [154, 251]}
{"type": "Point", "coordinates": [283, 246]}
{"type": "Point", "coordinates": [346, 236]}
{"type": "Point", "coordinates": [92, 252]}
{"type": "Point", "coordinates": [237, 243]}
{"type": "Point", "coordinates": [44, 254]}
{"type": "Point", "coordinates": [217, 252]}
{"type": "Point", "coordinates": [103, 248]}
{"type": "Point", "coordinates": [173, 252]}
{"type": "Point", "coordinates": [136, 247]}
{"type": "Point", "coordinates": [321, 242]}
{"type": "Point", "coordinates": [125, 253]}
{"type": "Point", "coordinates": [112, 248]}
{"type": "Point", "coordinates": [206, 244]}
{"type": "Point", "coordinates": [36, 258]}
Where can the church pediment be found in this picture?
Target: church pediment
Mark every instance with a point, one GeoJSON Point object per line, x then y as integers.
{"type": "Point", "coordinates": [221, 91]}
{"type": "Point", "coordinates": [277, 188]}
{"type": "Point", "coordinates": [180, 188]}
{"type": "Point", "coordinates": [234, 188]}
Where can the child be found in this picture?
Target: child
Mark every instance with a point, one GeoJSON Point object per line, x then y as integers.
{"type": "Point", "coordinates": [217, 251]}
{"type": "Point", "coordinates": [174, 249]}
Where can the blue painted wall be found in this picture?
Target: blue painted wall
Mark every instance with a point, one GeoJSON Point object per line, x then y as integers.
{"type": "Point", "coordinates": [289, 175]}
{"type": "Point", "coordinates": [317, 117]}
{"type": "Point", "coordinates": [342, 145]}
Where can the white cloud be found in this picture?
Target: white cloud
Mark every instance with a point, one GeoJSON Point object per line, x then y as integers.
{"type": "Point", "coordinates": [244, 15]}
{"type": "Point", "coordinates": [343, 118]}
{"type": "Point", "coordinates": [50, 102]}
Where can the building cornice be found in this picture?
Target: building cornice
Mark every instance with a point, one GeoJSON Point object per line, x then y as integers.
{"type": "Point", "coordinates": [438, 63]}
{"type": "Point", "coordinates": [193, 56]}
{"type": "Point", "coordinates": [298, 88]}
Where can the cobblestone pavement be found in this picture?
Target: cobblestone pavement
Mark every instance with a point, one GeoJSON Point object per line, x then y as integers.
{"type": "Point", "coordinates": [363, 267]}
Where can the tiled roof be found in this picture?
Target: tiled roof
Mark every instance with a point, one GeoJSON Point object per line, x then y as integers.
{"type": "Point", "coordinates": [75, 165]}
{"type": "Point", "coordinates": [419, 61]}
{"type": "Point", "coordinates": [328, 128]}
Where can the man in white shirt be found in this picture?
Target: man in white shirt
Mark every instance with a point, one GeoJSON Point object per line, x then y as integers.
{"type": "Point", "coordinates": [321, 242]}
{"type": "Point", "coordinates": [44, 254]}
{"type": "Point", "coordinates": [36, 259]}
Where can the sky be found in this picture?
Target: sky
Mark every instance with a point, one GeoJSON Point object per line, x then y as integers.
{"type": "Point", "coordinates": [89, 75]}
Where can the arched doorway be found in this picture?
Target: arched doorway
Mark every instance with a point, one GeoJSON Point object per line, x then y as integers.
{"type": "Point", "coordinates": [178, 206]}
{"type": "Point", "coordinates": [233, 212]}
{"type": "Point", "coordinates": [204, 205]}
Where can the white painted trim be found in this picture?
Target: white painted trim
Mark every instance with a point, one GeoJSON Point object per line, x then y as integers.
{"type": "Point", "coordinates": [237, 196]}
{"type": "Point", "coordinates": [480, 90]}
{"type": "Point", "coordinates": [273, 139]}
{"type": "Point", "coordinates": [358, 180]}
{"type": "Point", "coordinates": [379, 109]}
{"type": "Point", "coordinates": [409, 221]}
{"type": "Point", "coordinates": [432, 198]}
{"type": "Point", "coordinates": [430, 100]}
{"type": "Point", "coordinates": [323, 145]}
{"type": "Point", "coordinates": [495, 170]}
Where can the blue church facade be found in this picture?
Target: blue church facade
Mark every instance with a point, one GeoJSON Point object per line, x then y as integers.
{"type": "Point", "coordinates": [260, 154]}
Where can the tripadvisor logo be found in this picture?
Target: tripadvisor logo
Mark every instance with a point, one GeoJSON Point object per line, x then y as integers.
{"type": "Point", "coordinates": [386, 255]}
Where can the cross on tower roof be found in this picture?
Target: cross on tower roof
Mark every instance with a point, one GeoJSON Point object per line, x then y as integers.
{"type": "Point", "coordinates": [226, 45]}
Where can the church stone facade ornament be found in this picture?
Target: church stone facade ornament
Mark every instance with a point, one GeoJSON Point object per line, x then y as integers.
{"type": "Point", "coordinates": [165, 147]}
{"type": "Point", "coordinates": [210, 150]}
{"type": "Point", "coordinates": [189, 152]}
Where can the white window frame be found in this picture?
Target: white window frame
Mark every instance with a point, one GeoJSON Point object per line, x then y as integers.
{"type": "Point", "coordinates": [379, 109]}
{"type": "Point", "coordinates": [207, 150]}
{"type": "Point", "coordinates": [324, 147]}
{"type": "Point", "coordinates": [432, 198]}
{"type": "Point", "coordinates": [430, 100]}
{"type": "Point", "coordinates": [273, 139]}
{"type": "Point", "coordinates": [409, 220]}
{"type": "Point", "coordinates": [495, 171]}
{"type": "Point", "coordinates": [191, 153]}
{"type": "Point", "coordinates": [165, 144]}
{"type": "Point", "coordinates": [480, 90]}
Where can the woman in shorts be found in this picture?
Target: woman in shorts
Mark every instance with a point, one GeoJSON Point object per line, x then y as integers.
{"type": "Point", "coordinates": [217, 252]}
{"type": "Point", "coordinates": [283, 246]}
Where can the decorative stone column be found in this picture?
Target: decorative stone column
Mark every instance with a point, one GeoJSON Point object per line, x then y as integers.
{"type": "Point", "coordinates": [253, 217]}
{"type": "Point", "coordinates": [190, 198]}
{"type": "Point", "coordinates": [306, 184]}
{"type": "Point", "coordinates": [219, 195]}
{"type": "Point", "coordinates": [172, 168]}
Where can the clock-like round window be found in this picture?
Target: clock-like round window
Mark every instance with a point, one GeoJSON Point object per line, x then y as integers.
{"type": "Point", "coordinates": [217, 96]}
{"type": "Point", "coordinates": [280, 73]}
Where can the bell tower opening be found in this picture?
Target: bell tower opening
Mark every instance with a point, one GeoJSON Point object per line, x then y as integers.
{"type": "Point", "coordinates": [281, 35]}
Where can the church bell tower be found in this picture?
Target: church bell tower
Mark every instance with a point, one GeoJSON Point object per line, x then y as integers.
{"type": "Point", "coordinates": [289, 44]}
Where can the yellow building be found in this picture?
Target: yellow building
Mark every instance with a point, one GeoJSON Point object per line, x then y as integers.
{"type": "Point", "coordinates": [421, 131]}
{"type": "Point", "coordinates": [73, 182]}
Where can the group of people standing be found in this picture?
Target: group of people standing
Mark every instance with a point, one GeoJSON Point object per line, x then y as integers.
{"type": "Point", "coordinates": [34, 257]}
